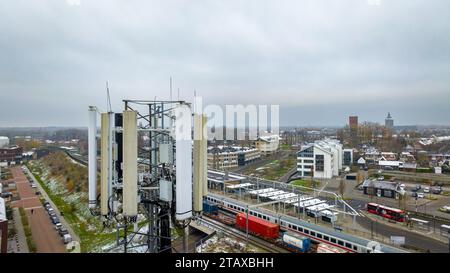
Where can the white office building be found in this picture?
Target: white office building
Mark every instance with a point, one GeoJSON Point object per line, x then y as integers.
{"type": "Point", "coordinates": [321, 159]}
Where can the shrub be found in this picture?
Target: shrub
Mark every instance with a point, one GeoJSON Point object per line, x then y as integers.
{"type": "Point", "coordinates": [27, 231]}
{"type": "Point", "coordinates": [31, 244]}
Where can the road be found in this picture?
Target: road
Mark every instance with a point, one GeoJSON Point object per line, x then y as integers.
{"type": "Point", "coordinates": [43, 231]}
{"type": "Point", "coordinates": [288, 175]}
{"type": "Point", "coordinates": [411, 238]}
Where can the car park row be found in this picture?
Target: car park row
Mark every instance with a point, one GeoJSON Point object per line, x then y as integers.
{"type": "Point", "coordinates": [62, 231]}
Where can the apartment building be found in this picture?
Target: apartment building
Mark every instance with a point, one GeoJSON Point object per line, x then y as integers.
{"type": "Point", "coordinates": [223, 157]}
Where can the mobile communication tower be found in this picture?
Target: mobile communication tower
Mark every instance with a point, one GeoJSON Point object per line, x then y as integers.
{"type": "Point", "coordinates": [150, 166]}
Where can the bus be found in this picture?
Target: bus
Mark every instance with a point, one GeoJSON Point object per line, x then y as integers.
{"type": "Point", "coordinates": [387, 212]}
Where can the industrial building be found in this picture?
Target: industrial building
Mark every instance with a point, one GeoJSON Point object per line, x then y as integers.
{"type": "Point", "coordinates": [222, 157]}
{"type": "Point", "coordinates": [321, 159]}
{"type": "Point", "coordinates": [268, 145]}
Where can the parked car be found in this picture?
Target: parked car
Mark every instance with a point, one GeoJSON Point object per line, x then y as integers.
{"type": "Point", "coordinates": [436, 190]}
{"type": "Point", "coordinates": [426, 190]}
{"type": "Point", "coordinates": [50, 210]}
{"type": "Point", "coordinates": [67, 238]}
{"type": "Point", "coordinates": [445, 209]}
{"type": "Point", "coordinates": [46, 203]}
{"type": "Point", "coordinates": [418, 187]}
{"type": "Point", "coordinates": [58, 226]}
{"type": "Point", "coordinates": [52, 214]}
{"type": "Point", "coordinates": [38, 193]}
{"type": "Point", "coordinates": [63, 231]}
{"type": "Point", "coordinates": [420, 195]}
{"type": "Point", "coordinates": [33, 186]}
{"type": "Point", "coordinates": [55, 220]}
{"type": "Point", "coordinates": [414, 194]}
{"type": "Point", "coordinates": [381, 178]}
{"type": "Point", "coordinates": [6, 194]}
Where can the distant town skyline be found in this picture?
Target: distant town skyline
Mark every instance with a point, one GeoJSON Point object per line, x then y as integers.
{"type": "Point", "coordinates": [321, 61]}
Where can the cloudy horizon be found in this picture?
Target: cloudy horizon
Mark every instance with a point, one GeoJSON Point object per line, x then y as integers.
{"type": "Point", "coordinates": [321, 61]}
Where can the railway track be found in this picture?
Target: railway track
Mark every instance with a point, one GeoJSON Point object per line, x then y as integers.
{"type": "Point", "coordinates": [258, 242]}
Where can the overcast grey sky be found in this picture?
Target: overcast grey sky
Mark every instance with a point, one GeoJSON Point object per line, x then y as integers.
{"type": "Point", "coordinates": [319, 60]}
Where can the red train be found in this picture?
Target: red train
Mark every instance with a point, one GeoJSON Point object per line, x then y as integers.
{"type": "Point", "coordinates": [258, 226]}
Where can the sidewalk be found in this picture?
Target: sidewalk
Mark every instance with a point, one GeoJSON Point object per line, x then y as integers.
{"type": "Point", "coordinates": [48, 199]}
{"type": "Point", "coordinates": [20, 239]}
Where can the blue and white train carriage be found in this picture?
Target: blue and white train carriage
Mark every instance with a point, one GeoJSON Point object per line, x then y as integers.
{"type": "Point", "coordinates": [316, 233]}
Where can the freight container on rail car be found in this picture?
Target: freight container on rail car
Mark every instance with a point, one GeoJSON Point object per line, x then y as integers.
{"type": "Point", "coordinates": [258, 226]}
{"type": "Point", "coordinates": [296, 242]}
{"type": "Point", "coordinates": [324, 248]}
{"type": "Point", "coordinates": [210, 208]}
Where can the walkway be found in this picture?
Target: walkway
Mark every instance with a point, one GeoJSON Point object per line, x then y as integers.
{"type": "Point", "coordinates": [18, 244]}
{"type": "Point", "coordinates": [43, 231]}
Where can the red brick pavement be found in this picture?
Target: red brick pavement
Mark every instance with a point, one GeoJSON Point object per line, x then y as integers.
{"type": "Point", "coordinates": [44, 234]}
